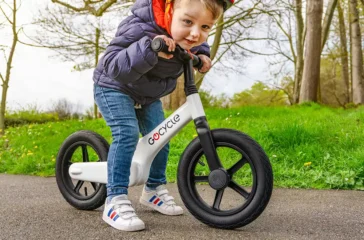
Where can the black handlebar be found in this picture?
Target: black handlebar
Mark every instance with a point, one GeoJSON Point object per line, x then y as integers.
{"type": "Point", "coordinates": [159, 45]}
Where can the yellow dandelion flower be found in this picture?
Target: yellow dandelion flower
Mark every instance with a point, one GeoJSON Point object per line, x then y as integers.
{"type": "Point", "coordinates": [29, 153]}
{"type": "Point", "coordinates": [307, 164]}
{"type": "Point", "coordinates": [35, 146]}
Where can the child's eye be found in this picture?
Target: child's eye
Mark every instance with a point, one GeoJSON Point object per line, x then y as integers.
{"type": "Point", "coordinates": [206, 27]}
{"type": "Point", "coordinates": [189, 22]}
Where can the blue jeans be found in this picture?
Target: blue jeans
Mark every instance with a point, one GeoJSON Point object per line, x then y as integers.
{"type": "Point", "coordinates": [125, 123]}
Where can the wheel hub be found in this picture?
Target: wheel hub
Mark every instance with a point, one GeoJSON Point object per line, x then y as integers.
{"type": "Point", "coordinates": [219, 179]}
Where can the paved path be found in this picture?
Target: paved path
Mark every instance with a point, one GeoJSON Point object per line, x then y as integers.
{"type": "Point", "coordinates": [33, 208]}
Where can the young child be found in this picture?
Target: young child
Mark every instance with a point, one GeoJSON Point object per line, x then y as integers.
{"type": "Point", "coordinates": [129, 80]}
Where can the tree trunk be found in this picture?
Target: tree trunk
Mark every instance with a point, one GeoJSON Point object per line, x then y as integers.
{"type": "Point", "coordinates": [215, 46]}
{"type": "Point", "coordinates": [5, 82]}
{"type": "Point", "coordinates": [3, 108]}
{"type": "Point", "coordinates": [325, 33]}
{"type": "Point", "coordinates": [166, 102]}
{"type": "Point", "coordinates": [343, 53]}
{"type": "Point", "coordinates": [97, 54]}
{"type": "Point", "coordinates": [177, 97]}
{"type": "Point", "coordinates": [299, 64]}
{"type": "Point", "coordinates": [311, 71]}
{"type": "Point", "coordinates": [357, 54]}
{"type": "Point", "coordinates": [327, 21]}
{"type": "Point", "coordinates": [350, 61]}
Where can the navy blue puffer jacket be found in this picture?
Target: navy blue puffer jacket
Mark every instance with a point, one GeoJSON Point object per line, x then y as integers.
{"type": "Point", "coordinates": [130, 65]}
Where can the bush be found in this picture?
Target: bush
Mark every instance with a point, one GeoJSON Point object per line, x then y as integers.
{"type": "Point", "coordinates": [210, 101]}
{"type": "Point", "coordinates": [89, 113]}
{"type": "Point", "coordinates": [59, 111]}
{"type": "Point", "coordinates": [351, 105]}
{"type": "Point", "coordinates": [260, 94]}
{"type": "Point", "coordinates": [28, 117]}
{"type": "Point", "coordinates": [63, 108]}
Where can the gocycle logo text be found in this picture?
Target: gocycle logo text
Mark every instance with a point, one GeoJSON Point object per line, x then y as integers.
{"type": "Point", "coordinates": [164, 129]}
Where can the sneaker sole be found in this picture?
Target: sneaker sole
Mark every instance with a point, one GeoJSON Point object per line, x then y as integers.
{"type": "Point", "coordinates": [151, 205]}
{"type": "Point", "coordinates": [123, 228]}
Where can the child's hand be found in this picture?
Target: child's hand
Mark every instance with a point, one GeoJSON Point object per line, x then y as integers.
{"type": "Point", "coordinates": [206, 63]}
{"type": "Point", "coordinates": [171, 46]}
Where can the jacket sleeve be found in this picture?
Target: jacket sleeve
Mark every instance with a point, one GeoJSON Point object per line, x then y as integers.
{"type": "Point", "coordinates": [129, 55]}
{"type": "Point", "coordinates": [204, 49]}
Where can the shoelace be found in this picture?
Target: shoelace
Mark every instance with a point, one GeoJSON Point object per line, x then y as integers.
{"type": "Point", "coordinates": [124, 209]}
{"type": "Point", "coordinates": [166, 198]}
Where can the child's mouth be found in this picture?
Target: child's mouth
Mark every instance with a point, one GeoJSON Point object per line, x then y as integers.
{"type": "Point", "coordinates": [190, 42]}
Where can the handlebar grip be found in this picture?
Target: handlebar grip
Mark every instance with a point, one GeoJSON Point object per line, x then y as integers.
{"type": "Point", "coordinates": [159, 45]}
{"type": "Point", "coordinates": [197, 63]}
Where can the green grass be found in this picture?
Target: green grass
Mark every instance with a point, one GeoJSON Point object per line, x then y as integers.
{"type": "Point", "coordinates": [308, 146]}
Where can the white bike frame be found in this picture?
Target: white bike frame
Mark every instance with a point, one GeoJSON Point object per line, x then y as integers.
{"type": "Point", "coordinates": [147, 148]}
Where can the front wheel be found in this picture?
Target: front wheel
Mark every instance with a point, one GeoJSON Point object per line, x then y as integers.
{"type": "Point", "coordinates": [234, 195]}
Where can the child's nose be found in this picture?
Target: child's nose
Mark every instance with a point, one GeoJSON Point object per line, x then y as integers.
{"type": "Point", "coordinates": [195, 33]}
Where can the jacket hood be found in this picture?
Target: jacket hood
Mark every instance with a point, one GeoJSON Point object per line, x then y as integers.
{"type": "Point", "coordinates": [156, 12]}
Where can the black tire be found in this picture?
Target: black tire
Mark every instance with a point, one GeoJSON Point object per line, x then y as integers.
{"type": "Point", "coordinates": [84, 141]}
{"type": "Point", "coordinates": [250, 206]}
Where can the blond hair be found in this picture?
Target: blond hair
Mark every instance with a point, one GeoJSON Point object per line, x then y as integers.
{"type": "Point", "coordinates": [214, 6]}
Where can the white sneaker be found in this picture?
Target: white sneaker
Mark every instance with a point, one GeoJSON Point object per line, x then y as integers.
{"type": "Point", "coordinates": [160, 200]}
{"type": "Point", "coordinates": [119, 214]}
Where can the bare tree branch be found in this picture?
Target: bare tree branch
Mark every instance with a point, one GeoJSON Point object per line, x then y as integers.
{"type": "Point", "coordinates": [255, 52]}
{"type": "Point", "coordinates": [2, 78]}
{"type": "Point", "coordinates": [3, 50]}
{"type": "Point", "coordinates": [87, 7]}
{"type": "Point", "coordinates": [11, 9]}
{"type": "Point", "coordinates": [222, 54]}
{"type": "Point", "coordinates": [7, 18]}
{"type": "Point", "coordinates": [289, 37]}
{"type": "Point", "coordinates": [241, 15]}
{"type": "Point", "coordinates": [104, 7]}
{"type": "Point", "coordinates": [96, 1]}
{"type": "Point", "coordinates": [69, 6]}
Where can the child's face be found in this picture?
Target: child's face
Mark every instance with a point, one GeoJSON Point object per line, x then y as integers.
{"type": "Point", "coordinates": [191, 23]}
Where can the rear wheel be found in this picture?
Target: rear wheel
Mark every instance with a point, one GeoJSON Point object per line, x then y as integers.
{"type": "Point", "coordinates": [234, 195]}
{"type": "Point", "coordinates": [81, 146]}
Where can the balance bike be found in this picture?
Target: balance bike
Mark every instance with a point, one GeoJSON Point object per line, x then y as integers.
{"type": "Point", "coordinates": [224, 177]}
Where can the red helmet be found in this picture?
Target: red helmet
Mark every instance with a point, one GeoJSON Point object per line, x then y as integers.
{"type": "Point", "coordinates": [227, 4]}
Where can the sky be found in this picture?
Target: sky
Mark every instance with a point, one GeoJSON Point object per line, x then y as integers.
{"type": "Point", "coordinates": [39, 80]}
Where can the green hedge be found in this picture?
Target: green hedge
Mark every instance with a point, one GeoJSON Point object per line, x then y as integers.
{"type": "Point", "coordinates": [29, 117]}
